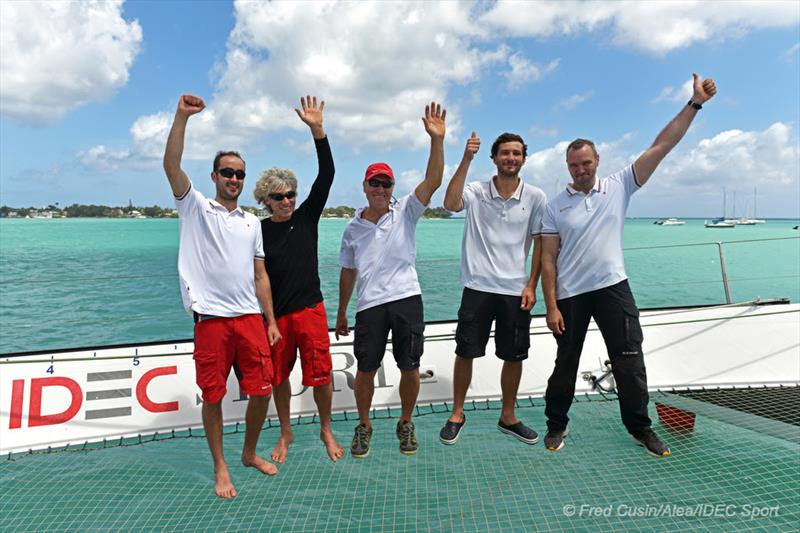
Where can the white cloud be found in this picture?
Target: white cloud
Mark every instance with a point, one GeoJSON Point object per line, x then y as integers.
{"type": "Point", "coordinates": [680, 94]}
{"type": "Point", "coordinates": [790, 54]}
{"type": "Point", "coordinates": [547, 168]}
{"type": "Point", "coordinates": [376, 83]}
{"type": "Point", "coordinates": [524, 71]}
{"type": "Point", "coordinates": [575, 100]}
{"type": "Point", "coordinates": [736, 158]}
{"type": "Point", "coordinates": [654, 27]}
{"type": "Point", "coordinates": [57, 56]}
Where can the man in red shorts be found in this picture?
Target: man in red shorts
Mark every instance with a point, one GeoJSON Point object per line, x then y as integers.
{"type": "Point", "coordinates": [223, 281]}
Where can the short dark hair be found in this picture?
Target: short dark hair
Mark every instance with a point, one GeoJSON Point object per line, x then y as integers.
{"type": "Point", "coordinates": [507, 138]}
{"type": "Point", "coordinates": [222, 154]}
{"type": "Point", "coordinates": [577, 144]}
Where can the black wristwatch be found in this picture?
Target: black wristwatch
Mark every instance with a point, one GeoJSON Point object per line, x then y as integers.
{"type": "Point", "coordinates": [696, 106]}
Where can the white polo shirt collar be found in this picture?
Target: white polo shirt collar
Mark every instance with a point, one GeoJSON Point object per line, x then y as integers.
{"type": "Point", "coordinates": [596, 188]}
{"type": "Point", "coordinates": [216, 205]}
{"type": "Point", "coordinates": [517, 192]}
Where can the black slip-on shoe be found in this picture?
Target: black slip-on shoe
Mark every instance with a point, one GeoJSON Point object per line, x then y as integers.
{"type": "Point", "coordinates": [451, 431]}
{"type": "Point", "coordinates": [519, 431]}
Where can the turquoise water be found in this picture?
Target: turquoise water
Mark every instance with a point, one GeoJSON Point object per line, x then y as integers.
{"type": "Point", "coordinates": [85, 282]}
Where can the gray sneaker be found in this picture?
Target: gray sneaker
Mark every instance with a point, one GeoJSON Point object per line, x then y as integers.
{"type": "Point", "coordinates": [360, 445]}
{"type": "Point", "coordinates": [654, 446]}
{"type": "Point", "coordinates": [408, 440]}
{"type": "Point", "coordinates": [554, 440]}
{"type": "Point", "coordinates": [519, 431]}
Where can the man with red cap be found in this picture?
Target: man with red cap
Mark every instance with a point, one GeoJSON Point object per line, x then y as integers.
{"type": "Point", "coordinates": [379, 250]}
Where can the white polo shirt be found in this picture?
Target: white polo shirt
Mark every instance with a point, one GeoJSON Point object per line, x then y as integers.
{"type": "Point", "coordinates": [215, 257]}
{"type": "Point", "coordinates": [384, 253]}
{"type": "Point", "coordinates": [498, 235]}
{"type": "Point", "coordinates": [590, 228]}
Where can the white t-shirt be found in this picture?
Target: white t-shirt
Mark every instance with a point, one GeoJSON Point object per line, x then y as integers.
{"type": "Point", "coordinates": [215, 257]}
{"type": "Point", "coordinates": [590, 228]}
{"type": "Point", "coordinates": [498, 235]}
{"type": "Point", "coordinates": [384, 253]}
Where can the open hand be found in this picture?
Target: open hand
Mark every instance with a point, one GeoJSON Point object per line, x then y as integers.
{"type": "Point", "coordinates": [189, 104]}
{"type": "Point", "coordinates": [311, 113]}
{"type": "Point", "coordinates": [434, 120]}
{"type": "Point", "coordinates": [704, 91]}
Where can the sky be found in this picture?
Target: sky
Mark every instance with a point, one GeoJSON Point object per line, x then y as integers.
{"type": "Point", "coordinates": [88, 91]}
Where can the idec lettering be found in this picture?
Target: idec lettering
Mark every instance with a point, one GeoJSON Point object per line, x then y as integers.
{"type": "Point", "coordinates": [141, 390]}
{"type": "Point", "coordinates": [35, 416]}
{"type": "Point", "coordinates": [97, 390]}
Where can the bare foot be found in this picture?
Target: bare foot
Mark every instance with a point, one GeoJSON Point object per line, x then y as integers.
{"type": "Point", "coordinates": [260, 464]}
{"type": "Point", "coordinates": [334, 449]}
{"type": "Point", "coordinates": [223, 485]}
{"type": "Point", "coordinates": [281, 449]}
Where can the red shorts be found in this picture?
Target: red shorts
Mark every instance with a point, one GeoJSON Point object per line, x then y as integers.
{"type": "Point", "coordinates": [218, 342]}
{"type": "Point", "coordinates": [306, 330]}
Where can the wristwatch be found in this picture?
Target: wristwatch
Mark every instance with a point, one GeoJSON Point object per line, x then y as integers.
{"type": "Point", "coordinates": [696, 106]}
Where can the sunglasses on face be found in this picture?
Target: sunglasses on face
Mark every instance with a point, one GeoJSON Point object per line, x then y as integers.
{"type": "Point", "coordinates": [375, 182]}
{"type": "Point", "coordinates": [230, 173]}
{"type": "Point", "coordinates": [278, 197]}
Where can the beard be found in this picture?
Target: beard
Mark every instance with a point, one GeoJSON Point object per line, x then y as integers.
{"type": "Point", "coordinates": [223, 193]}
{"type": "Point", "coordinates": [503, 173]}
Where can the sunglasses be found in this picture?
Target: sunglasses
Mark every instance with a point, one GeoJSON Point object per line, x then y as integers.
{"type": "Point", "coordinates": [375, 182]}
{"type": "Point", "coordinates": [230, 173]}
{"type": "Point", "coordinates": [278, 197]}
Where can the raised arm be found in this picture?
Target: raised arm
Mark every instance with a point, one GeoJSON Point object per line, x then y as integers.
{"type": "Point", "coordinates": [550, 245]}
{"type": "Point", "coordinates": [347, 280]}
{"type": "Point", "coordinates": [646, 164]}
{"type": "Point", "coordinates": [453, 200]}
{"type": "Point", "coordinates": [188, 105]}
{"type": "Point", "coordinates": [264, 295]}
{"type": "Point", "coordinates": [434, 124]}
{"type": "Point", "coordinates": [311, 115]}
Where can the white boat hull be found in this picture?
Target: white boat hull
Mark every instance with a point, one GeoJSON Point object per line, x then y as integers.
{"type": "Point", "coordinates": [62, 398]}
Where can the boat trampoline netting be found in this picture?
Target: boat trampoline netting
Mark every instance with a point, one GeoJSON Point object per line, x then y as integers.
{"type": "Point", "coordinates": [733, 471]}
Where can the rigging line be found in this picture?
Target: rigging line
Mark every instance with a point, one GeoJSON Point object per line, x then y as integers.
{"type": "Point", "coordinates": [153, 276]}
{"type": "Point", "coordinates": [714, 243]}
{"type": "Point", "coordinates": [45, 359]}
{"type": "Point", "coordinates": [637, 284]}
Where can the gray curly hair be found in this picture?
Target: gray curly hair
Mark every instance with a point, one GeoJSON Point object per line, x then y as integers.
{"type": "Point", "coordinates": [274, 180]}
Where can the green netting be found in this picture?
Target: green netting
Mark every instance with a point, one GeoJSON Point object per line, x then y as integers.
{"type": "Point", "coordinates": [719, 476]}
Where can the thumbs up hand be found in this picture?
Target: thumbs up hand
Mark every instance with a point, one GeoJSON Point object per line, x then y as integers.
{"type": "Point", "coordinates": [473, 145]}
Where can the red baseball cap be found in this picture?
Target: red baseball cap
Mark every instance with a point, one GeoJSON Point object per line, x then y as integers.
{"type": "Point", "coordinates": [379, 169]}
